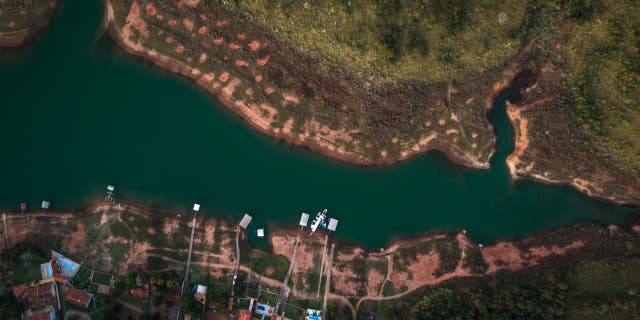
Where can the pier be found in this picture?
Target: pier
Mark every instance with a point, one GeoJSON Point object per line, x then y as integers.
{"type": "Point", "coordinates": [6, 235]}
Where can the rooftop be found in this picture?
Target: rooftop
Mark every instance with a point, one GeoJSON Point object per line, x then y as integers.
{"type": "Point", "coordinates": [34, 295]}
{"type": "Point", "coordinates": [47, 313]}
{"type": "Point", "coordinates": [78, 298]}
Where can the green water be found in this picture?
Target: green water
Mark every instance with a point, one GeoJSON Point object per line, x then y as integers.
{"type": "Point", "coordinates": [78, 114]}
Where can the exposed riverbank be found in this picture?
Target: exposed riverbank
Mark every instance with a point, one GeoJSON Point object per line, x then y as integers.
{"type": "Point", "coordinates": [254, 114]}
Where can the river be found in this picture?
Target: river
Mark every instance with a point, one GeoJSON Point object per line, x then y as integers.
{"type": "Point", "coordinates": [77, 114]}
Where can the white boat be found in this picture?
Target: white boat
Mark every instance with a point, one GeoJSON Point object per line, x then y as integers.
{"type": "Point", "coordinates": [319, 220]}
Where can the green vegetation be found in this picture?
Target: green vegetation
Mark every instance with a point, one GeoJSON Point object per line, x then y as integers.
{"type": "Point", "coordinates": [474, 260]}
{"type": "Point", "coordinates": [260, 261]}
{"type": "Point", "coordinates": [429, 41]}
{"type": "Point", "coordinates": [447, 249]}
{"type": "Point", "coordinates": [598, 282]}
{"type": "Point", "coordinates": [82, 278]}
{"type": "Point", "coordinates": [440, 304]}
{"type": "Point", "coordinates": [23, 13]}
{"type": "Point", "coordinates": [19, 255]}
{"type": "Point", "coordinates": [449, 253]}
{"type": "Point", "coordinates": [102, 278]}
{"type": "Point", "coordinates": [8, 304]}
{"type": "Point", "coordinates": [604, 74]}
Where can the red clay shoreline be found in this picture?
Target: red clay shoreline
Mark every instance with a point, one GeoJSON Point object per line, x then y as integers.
{"type": "Point", "coordinates": [174, 66]}
{"type": "Point", "coordinates": [401, 241]}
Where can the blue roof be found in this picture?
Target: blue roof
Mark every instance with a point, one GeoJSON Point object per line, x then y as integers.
{"type": "Point", "coordinates": [68, 266]}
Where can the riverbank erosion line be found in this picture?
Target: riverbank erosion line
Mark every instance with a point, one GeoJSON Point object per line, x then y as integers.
{"type": "Point", "coordinates": [263, 105]}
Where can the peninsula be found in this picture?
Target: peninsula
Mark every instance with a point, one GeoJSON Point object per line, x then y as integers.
{"type": "Point", "coordinates": [327, 76]}
{"type": "Point", "coordinates": [21, 20]}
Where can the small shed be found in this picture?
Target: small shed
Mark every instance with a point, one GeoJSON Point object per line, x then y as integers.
{"type": "Point", "coordinates": [78, 298]}
{"type": "Point", "coordinates": [201, 293]}
{"type": "Point", "coordinates": [333, 224]}
{"type": "Point", "coordinates": [304, 219]}
{"type": "Point", "coordinates": [245, 221]}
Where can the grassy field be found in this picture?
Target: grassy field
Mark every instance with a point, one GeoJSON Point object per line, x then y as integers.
{"type": "Point", "coordinates": [22, 14]}
{"type": "Point", "coordinates": [426, 41]}
{"type": "Point", "coordinates": [377, 81]}
{"type": "Point", "coordinates": [604, 77]}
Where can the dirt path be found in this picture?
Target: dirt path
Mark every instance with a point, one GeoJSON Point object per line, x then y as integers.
{"type": "Point", "coordinates": [6, 235]}
{"type": "Point", "coordinates": [459, 272]}
{"type": "Point", "coordinates": [130, 306]}
{"type": "Point", "coordinates": [389, 272]}
{"type": "Point", "coordinates": [75, 314]}
{"type": "Point", "coordinates": [327, 284]}
{"type": "Point", "coordinates": [293, 261]}
{"type": "Point", "coordinates": [324, 255]}
{"type": "Point", "coordinates": [186, 274]}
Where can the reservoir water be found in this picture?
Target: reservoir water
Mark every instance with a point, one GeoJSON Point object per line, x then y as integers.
{"type": "Point", "coordinates": [77, 114]}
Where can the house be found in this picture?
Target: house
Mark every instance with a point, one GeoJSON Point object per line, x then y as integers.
{"type": "Point", "coordinates": [78, 298]}
{"type": "Point", "coordinates": [312, 315]}
{"type": "Point", "coordinates": [47, 313]}
{"type": "Point", "coordinates": [66, 266]}
{"type": "Point", "coordinates": [140, 293]}
{"type": "Point", "coordinates": [200, 293]}
{"type": "Point", "coordinates": [173, 297]}
{"type": "Point", "coordinates": [245, 315]}
{"type": "Point", "coordinates": [35, 295]}
{"type": "Point", "coordinates": [51, 271]}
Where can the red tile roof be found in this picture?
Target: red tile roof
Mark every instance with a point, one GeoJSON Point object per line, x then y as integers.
{"type": "Point", "coordinates": [140, 293]}
{"type": "Point", "coordinates": [37, 293]}
{"type": "Point", "coordinates": [78, 298]}
{"type": "Point", "coordinates": [245, 315]}
{"type": "Point", "coordinates": [42, 316]}
{"type": "Point", "coordinates": [60, 278]}
{"type": "Point", "coordinates": [173, 297]}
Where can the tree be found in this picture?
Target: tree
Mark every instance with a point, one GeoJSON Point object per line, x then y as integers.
{"type": "Point", "coordinates": [440, 304]}
{"type": "Point", "coordinates": [144, 316]}
{"type": "Point", "coordinates": [130, 279]}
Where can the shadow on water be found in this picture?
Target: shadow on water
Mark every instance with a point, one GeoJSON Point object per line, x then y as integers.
{"type": "Point", "coordinates": [79, 114]}
{"type": "Point", "coordinates": [502, 129]}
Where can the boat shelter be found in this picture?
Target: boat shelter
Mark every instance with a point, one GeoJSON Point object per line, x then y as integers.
{"type": "Point", "coordinates": [304, 219]}
{"type": "Point", "coordinates": [245, 221]}
{"type": "Point", "coordinates": [333, 224]}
